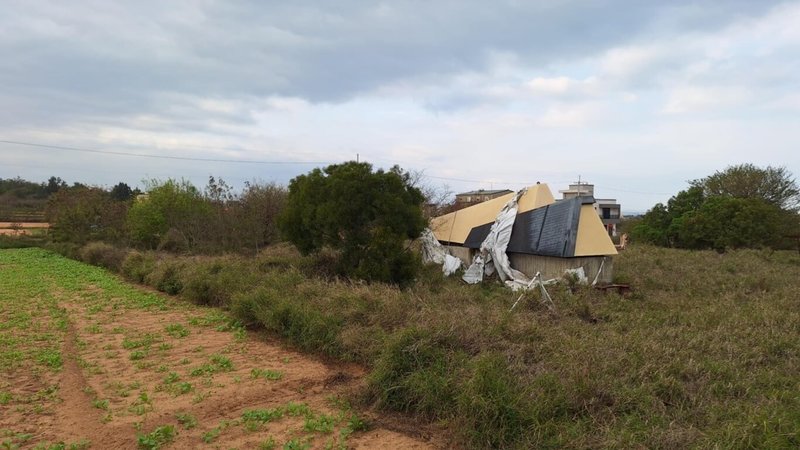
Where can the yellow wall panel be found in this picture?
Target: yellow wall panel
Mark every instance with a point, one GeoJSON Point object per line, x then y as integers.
{"type": "Point", "coordinates": [455, 227]}
{"type": "Point", "coordinates": [593, 238]}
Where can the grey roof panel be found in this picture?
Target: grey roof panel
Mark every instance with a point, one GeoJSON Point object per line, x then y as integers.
{"type": "Point", "coordinates": [548, 231]}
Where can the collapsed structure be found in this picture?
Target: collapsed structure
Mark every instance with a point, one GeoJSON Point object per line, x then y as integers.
{"type": "Point", "coordinates": [546, 237]}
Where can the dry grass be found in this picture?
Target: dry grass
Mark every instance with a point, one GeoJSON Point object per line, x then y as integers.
{"type": "Point", "coordinates": [705, 353]}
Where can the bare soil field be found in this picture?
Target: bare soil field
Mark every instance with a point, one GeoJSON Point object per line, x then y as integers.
{"type": "Point", "coordinates": [25, 224]}
{"type": "Point", "coordinates": [21, 228]}
{"type": "Point", "coordinates": [88, 361]}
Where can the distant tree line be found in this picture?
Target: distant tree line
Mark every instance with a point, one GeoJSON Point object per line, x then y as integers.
{"type": "Point", "coordinates": [172, 215]}
{"type": "Point", "coordinates": [743, 206]}
{"type": "Point", "coordinates": [361, 220]}
{"type": "Point", "coordinates": [22, 200]}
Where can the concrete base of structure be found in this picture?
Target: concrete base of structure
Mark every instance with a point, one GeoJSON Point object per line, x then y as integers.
{"type": "Point", "coordinates": [549, 266]}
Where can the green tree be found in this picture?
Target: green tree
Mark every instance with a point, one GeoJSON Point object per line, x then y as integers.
{"type": "Point", "coordinates": [653, 228]}
{"type": "Point", "coordinates": [121, 192]}
{"type": "Point", "coordinates": [86, 214]}
{"type": "Point", "coordinates": [367, 215]}
{"type": "Point", "coordinates": [728, 222]}
{"type": "Point", "coordinates": [54, 184]}
{"type": "Point", "coordinates": [171, 216]}
{"type": "Point", "coordinates": [774, 185]}
{"type": "Point", "coordinates": [742, 206]}
{"type": "Point", "coordinates": [259, 207]}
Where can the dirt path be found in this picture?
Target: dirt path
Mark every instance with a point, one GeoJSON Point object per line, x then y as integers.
{"type": "Point", "coordinates": [129, 372]}
{"type": "Point", "coordinates": [75, 419]}
{"type": "Point", "coordinates": [88, 361]}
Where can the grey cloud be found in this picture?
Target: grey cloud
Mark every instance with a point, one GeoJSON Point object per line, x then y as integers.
{"type": "Point", "coordinates": [66, 60]}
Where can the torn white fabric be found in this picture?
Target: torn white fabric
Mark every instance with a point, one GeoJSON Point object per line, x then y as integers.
{"type": "Point", "coordinates": [434, 252]}
{"type": "Point", "coordinates": [492, 254]}
{"type": "Point", "coordinates": [451, 265]}
{"type": "Point", "coordinates": [474, 274]}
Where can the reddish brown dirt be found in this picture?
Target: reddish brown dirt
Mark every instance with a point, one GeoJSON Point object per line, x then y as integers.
{"type": "Point", "coordinates": [111, 386]}
{"type": "Point", "coordinates": [75, 419]}
{"type": "Point", "coordinates": [20, 228]}
{"type": "Point", "coordinates": [13, 232]}
{"type": "Point", "coordinates": [24, 224]}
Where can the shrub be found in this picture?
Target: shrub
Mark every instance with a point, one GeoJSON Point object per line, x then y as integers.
{"type": "Point", "coordinates": [214, 282]}
{"type": "Point", "coordinates": [416, 372]}
{"type": "Point", "coordinates": [173, 241]}
{"type": "Point", "coordinates": [85, 214]}
{"type": "Point", "coordinates": [169, 204]}
{"type": "Point", "coordinates": [166, 276]}
{"type": "Point", "coordinates": [104, 255]}
{"type": "Point", "coordinates": [66, 249]}
{"type": "Point", "coordinates": [492, 404]}
{"type": "Point", "coordinates": [137, 266]}
{"type": "Point", "coordinates": [293, 315]}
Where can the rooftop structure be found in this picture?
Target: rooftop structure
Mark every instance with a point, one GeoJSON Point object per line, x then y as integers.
{"type": "Point", "coordinates": [608, 209]}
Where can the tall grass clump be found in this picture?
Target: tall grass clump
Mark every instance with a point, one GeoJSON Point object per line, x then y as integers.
{"type": "Point", "coordinates": [138, 265]}
{"type": "Point", "coordinates": [66, 249]}
{"type": "Point", "coordinates": [293, 313]}
{"type": "Point", "coordinates": [104, 255]}
{"type": "Point", "coordinates": [23, 241]}
{"type": "Point", "coordinates": [418, 372]}
{"type": "Point", "coordinates": [493, 406]}
{"type": "Point", "coordinates": [213, 281]}
{"type": "Point", "coordinates": [167, 275]}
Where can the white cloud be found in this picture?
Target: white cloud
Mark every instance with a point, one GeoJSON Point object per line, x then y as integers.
{"type": "Point", "coordinates": [574, 115]}
{"type": "Point", "coordinates": [687, 99]}
{"type": "Point", "coordinates": [556, 85]}
{"type": "Point", "coordinates": [287, 104]}
{"type": "Point", "coordinates": [563, 86]}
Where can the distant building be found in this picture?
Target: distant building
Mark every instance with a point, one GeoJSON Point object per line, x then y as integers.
{"type": "Point", "coordinates": [608, 209]}
{"type": "Point", "coordinates": [474, 197]}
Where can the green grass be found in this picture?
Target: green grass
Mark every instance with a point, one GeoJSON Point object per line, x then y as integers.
{"type": "Point", "coordinates": [703, 354]}
{"type": "Point", "coordinates": [157, 438]}
{"type": "Point", "coordinates": [187, 420]}
{"type": "Point", "coordinates": [177, 330]}
{"type": "Point", "coordinates": [217, 363]}
{"type": "Point", "coordinates": [267, 374]}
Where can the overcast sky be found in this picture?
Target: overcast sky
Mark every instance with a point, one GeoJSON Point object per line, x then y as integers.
{"type": "Point", "coordinates": [637, 97]}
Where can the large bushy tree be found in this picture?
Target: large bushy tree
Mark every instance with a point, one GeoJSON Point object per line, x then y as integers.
{"type": "Point", "coordinates": [741, 206]}
{"type": "Point", "coordinates": [171, 216]}
{"type": "Point", "coordinates": [367, 215]}
{"type": "Point", "coordinates": [773, 185]}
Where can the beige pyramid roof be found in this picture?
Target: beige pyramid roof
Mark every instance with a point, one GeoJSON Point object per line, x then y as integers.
{"type": "Point", "coordinates": [455, 227]}
{"type": "Point", "coordinates": [588, 238]}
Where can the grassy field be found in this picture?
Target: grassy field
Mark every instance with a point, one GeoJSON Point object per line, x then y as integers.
{"type": "Point", "coordinates": [89, 361]}
{"type": "Point", "coordinates": [704, 354]}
